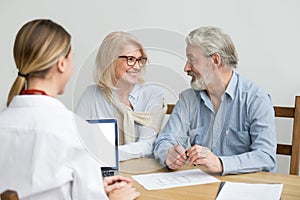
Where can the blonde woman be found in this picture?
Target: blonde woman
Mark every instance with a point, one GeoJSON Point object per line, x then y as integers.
{"type": "Point", "coordinates": [44, 158]}
{"type": "Point", "coordinates": [120, 93]}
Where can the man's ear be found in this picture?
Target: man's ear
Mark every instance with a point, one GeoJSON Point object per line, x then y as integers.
{"type": "Point", "coordinates": [217, 59]}
{"type": "Point", "coordinates": [61, 64]}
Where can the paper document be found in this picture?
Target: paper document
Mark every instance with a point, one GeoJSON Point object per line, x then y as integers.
{"type": "Point", "coordinates": [245, 191]}
{"type": "Point", "coordinates": [158, 181]}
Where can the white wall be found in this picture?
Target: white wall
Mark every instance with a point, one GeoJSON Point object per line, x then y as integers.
{"type": "Point", "coordinates": [265, 32]}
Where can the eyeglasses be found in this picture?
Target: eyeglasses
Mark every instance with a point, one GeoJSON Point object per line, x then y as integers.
{"type": "Point", "coordinates": [131, 60]}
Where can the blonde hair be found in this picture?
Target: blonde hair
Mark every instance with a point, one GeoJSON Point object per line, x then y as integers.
{"type": "Point", "coordinates": [38, 46]}
{"type": "Point", "coordinates": [108, 53]}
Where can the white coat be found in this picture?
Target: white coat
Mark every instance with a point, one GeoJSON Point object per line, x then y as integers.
{"type": "Point", "coordinates": [41, 156]}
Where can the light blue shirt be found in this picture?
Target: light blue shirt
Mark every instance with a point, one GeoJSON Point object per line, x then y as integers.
{"type": "Point", "coordinates": [242, 133]}
{"type": "Point", "coordinates": [144, 98]}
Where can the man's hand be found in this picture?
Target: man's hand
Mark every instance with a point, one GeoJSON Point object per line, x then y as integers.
{"type": "Point", "coordinates": [176, 157]}
{"type": "Point", "coordinates": [199, 155]}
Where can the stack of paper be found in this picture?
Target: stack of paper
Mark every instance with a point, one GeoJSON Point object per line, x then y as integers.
{"type": "Point", "coordinates": [245, 191]}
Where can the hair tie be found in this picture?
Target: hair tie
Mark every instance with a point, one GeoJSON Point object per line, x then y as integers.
{"type": "Point", "coordinates": [22, 75]}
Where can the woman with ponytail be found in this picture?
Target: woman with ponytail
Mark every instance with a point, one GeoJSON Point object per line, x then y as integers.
{"type": "Point", "coordinates": [41, 154]}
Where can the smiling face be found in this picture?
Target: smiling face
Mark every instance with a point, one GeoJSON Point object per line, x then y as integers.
{"type": "Point", "coordinates": [195, 67]}
{"type": "Point", "coordinates": [124, 72]}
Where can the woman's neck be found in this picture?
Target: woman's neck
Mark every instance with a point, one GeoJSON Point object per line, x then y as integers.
{"type": "Point", "coordinates": [43, 86]}
{"type": "Point", "coordinates": [123, 93]}
{"type": "Point", "coordinates": [34, 92]}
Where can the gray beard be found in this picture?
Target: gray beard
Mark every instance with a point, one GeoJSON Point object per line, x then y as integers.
{"type": "Point", "coordinates": [198, 84]}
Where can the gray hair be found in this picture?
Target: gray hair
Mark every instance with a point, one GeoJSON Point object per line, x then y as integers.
{"type": "Point", "coordinates": [212, 40]}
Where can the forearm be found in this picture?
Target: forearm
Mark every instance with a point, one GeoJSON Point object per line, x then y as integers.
{"type": "Point", "coordinates": [161, 151]}
{"type": "Point", "coordinates": [248, 162]}
{"type": "Point", "coordinates": [138, 149]}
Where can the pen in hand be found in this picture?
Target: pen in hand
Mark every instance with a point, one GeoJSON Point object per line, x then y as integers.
{"type": "Point", "coordinates": [179, 143]}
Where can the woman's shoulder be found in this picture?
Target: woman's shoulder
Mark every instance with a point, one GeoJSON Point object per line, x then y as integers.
{"type": "Point", "coordinates": [92, 90]}
{"type": "Point", "coordinates": [148, 88]}
{"type": "Point", "coordinates": [147, 91]}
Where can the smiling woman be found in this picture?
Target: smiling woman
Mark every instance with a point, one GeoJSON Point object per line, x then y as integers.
{"type": "Point", "coordinates": [128, 70]}
{"type": "Point", "coordinates": [120, 93]}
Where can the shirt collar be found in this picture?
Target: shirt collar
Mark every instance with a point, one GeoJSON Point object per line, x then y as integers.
{"type": "Point", "coordinates": [35, 101]}
{"type": "Point", "coordinates": [231, 88]}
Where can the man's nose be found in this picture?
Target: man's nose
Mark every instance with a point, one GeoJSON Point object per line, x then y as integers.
{"type": "Point", "coordinates": [187, 67]}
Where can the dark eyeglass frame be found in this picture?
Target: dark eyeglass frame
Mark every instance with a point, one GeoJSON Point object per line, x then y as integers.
{"type": "Point", "coordinates": [139, 60]}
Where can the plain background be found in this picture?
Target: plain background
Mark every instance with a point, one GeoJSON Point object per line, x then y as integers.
{"type": "Point", "coordinates": [266, 34]}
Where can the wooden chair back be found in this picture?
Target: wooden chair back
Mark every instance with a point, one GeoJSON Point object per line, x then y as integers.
{"type": "Point", "coordinates": [170, 108]}
{"type": "Point", "coordinates": [293, 149]}
{"type": "Point", "coordinates": [9, 195]}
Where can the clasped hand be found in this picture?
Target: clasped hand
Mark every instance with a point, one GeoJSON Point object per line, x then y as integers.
{"type": "Point", "coordinates": [196, 155]}
{"type": "Point", "coordinates": [119, 188]}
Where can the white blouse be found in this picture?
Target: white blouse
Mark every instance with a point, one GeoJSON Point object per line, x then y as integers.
{"type": "Point", "coordinates": [144, 98]}
{"type": "Point", "coordinates": [41, 155]}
